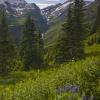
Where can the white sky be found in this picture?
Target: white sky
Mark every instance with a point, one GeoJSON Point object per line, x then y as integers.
{"type": "Point", "coordinates": [45, 3]}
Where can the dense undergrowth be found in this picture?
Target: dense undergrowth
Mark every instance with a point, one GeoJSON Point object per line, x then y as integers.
{"type": "Point", "coordinates": [44, 84]}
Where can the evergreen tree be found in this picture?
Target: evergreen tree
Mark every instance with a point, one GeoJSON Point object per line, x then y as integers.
{"type": "Point", "coordinates": [78, 29]}
{"type": "Point", "coordinates": [63, 46]}
{"type": "Point", "coordinates": [96, 25]}
{"type": "Point", "coordinates": [30, 45]}
{"type": "Point", "coordinates": [70, 46]}
{"type": "Point", "coordinates": [7, 47]}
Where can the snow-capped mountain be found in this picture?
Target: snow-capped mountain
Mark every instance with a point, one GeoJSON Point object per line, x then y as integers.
{"type": "Point", "coordinates": [58, 11]}
{"type": "Point", "coordinates": [17, 7]}
{"type": "Point", "coordinates": [17, 10]}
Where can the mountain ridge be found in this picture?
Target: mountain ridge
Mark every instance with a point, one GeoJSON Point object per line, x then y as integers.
{"type": "Point", "coordinates": [58, 11]}
{"type": "Point", "coordinates": [17, 11]}
{"type": "Point", "coordinates": [55, 27]}
{"type": "Point", "coordinates": [13, 1]}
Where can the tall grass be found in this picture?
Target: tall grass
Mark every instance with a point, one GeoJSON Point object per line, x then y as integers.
{"type": "Point", "coordinates": [43, 85]}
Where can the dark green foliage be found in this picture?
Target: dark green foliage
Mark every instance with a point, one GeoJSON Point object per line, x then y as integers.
{"type": "Point", "coordinates": [69, 46]}
{"type": "Point", "coordinates": [40, 49]}
{"type": "Point", "coordinates": [44, 84]}
{"type": "Point", "coordinates": [7, 47]}
{"type": "Point", "coordinates": [78, 29]}
{"type": "Point", "coordinates": [30, 45]}
{"type": "Point", "coordinates": [96, 25]}
{"type": "Point", "coordinates": [62, 45]}
{"type": "Point", "coordinates": [93, 39]}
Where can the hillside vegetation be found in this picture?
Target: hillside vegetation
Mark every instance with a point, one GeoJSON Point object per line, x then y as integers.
{"type": "Point", "coordinates": [63, 64]}
{"type": "Point", "coordinates": [55, 30]}
{"type": "Point", "coordinates": [52, 34]}
{"type": "Point", "coordinates": [44, 84]}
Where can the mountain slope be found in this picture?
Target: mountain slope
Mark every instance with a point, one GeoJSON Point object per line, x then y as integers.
{"type": "Point", "coordinates": [17, 11]}
{"type": "Point", "coordinates": [55, 82]}
{"type": "Point", "coordinates": [58, 12]}
{"type": "Point", "coordinates": [55, 29]}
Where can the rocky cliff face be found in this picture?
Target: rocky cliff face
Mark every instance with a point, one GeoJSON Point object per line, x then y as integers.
{"type": "Point", "coordinates": [17, 11]}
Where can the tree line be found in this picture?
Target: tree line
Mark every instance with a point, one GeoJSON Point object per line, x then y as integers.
{"type": "Point", "coordinates": [31, 48]}
{"type": "Point", "coordinates": [70, 45]}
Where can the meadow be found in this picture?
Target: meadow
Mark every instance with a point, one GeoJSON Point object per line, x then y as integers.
{"type": "Point", "coordinates": [50, 83]}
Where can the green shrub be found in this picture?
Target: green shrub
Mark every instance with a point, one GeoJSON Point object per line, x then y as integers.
{"type": "Point", "coordinates": [43, 84]}
{"type": "Point", "coordinates": [94, 39]}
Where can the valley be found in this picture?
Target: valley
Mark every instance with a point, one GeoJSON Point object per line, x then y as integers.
{"type": "Point", "coordinates": [50, 53]}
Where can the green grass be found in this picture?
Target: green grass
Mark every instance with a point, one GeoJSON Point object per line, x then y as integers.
{"type": "Point", "coordinates": [51, 36]}
{"type": "Point", "coordinates": [43, 84]}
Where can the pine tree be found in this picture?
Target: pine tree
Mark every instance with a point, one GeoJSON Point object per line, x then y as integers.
{"type": "Point", "coordinates": [70, 46]}
{"type": "Point", "coordinates": [78, 28]}
{"type": "Point", "coordinates": [7, 46]}
{"type": "Point", "coordinates": [96, 25]}
{"type": "Point", "coordinates": [30, 45]}
{"type": "Point", "coordinates": [63, 47]}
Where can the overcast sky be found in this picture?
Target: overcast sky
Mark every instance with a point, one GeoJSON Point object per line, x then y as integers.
{"type": "Point", "coordinates": [45, 3]}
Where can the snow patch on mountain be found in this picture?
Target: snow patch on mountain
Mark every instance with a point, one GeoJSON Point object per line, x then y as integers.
{"type": "Point", "coordinates": [17, 7]}
{"type": "Point", "coordinates": [55, 11]}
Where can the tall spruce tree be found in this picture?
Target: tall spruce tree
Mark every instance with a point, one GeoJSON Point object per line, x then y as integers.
{"type": "Point", "coordinates": [7, 46]}
{"type": "Point", "coordinates": [70, 46]}
{"type": "Point", "coordinates": [78, 28]}
{"type": "Point", "coordinates": [64, 44]}
{"type": "Point", "coordinates": [29, 51]}
{"type": "Point", "coordinates": [96, 25]}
